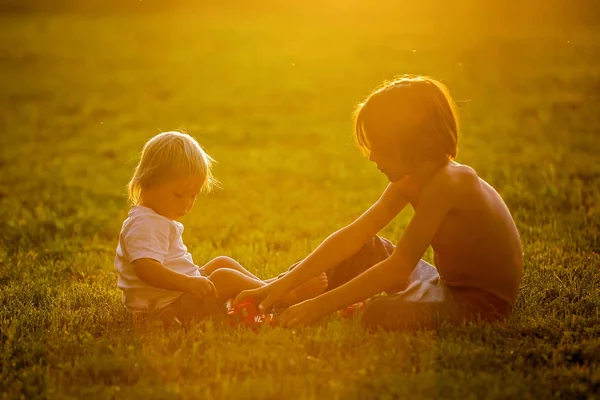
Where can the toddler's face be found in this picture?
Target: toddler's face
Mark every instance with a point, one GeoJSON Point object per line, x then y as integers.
{"type": "Point", "coordinates": [174, 198]}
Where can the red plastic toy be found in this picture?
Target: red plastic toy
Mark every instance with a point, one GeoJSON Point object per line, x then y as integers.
{"type": "Point", "coordinates": [351, 310]}
{"type": "Point", "coordinates": [246, 313]}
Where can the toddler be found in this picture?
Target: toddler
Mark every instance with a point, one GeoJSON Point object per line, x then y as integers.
{"type": "Point", "coordinates": [156, 271]}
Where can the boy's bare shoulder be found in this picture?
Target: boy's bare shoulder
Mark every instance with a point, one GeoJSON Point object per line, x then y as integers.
{"type": "Point", "coordinates": [456, 175]}
{"type": "Point", "coordinates": [461, 174]}
{"type": "Point", "coordinates": [454, 180]}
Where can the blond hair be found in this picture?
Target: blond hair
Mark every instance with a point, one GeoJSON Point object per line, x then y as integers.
{"type": "Point", "coordinates": [417, 112]}
{"type": "Point", "coordinates": [170, 155]}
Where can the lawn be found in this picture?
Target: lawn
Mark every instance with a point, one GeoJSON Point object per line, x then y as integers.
{"type": "Point", "coordinates": [269, 94]}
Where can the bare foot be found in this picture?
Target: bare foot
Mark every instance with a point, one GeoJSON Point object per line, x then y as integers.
{"type": "Point", "coordinates": [308, 290]}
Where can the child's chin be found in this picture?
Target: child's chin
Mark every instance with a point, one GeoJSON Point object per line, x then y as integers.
{"type": "Point", "coordinates": [173, 216]}
{"type": "Point", "coordinates": [394, 177]}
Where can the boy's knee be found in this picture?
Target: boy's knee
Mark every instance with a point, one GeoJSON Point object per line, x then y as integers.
{"type": "Point", "coordinates": [373, 251]}
{"type": "Point", "coordinates": [391, 314]}
{"type": "Point", "coordinates": [375, 315]}
{"type": "Point", "coordinates": [379, 247]}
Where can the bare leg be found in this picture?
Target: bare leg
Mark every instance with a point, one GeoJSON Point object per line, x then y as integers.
{"type": "Point", "coordinates": [309, 289]}
{"type": "Point", "coordinates": [230, 282]}
{"type": "Point", "coordinates": [229, 285]}
{"type": "Point", "coordinates": [227, 262]}
{"type": "Point", "coordinates": [375, 250]}
{"type": "Point", "coordinates": [188, 307]}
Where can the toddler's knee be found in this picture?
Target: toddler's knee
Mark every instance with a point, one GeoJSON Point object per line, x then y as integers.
{"type": "Point", "coordinates": [220, 275]}
{"type": "Point", "coordinates": [220, 262]}
{"type": "Point", "coordinates": [225, 262]}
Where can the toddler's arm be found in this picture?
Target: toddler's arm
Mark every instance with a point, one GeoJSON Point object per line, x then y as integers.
{"type": "Point", "coordinates": [156, 274]}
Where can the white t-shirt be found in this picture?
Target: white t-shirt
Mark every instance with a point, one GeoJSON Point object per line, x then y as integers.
{"type": "Point", "coordinates": [147, 234]}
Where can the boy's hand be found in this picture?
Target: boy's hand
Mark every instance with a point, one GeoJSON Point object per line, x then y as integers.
{"type": "Point", "coordinates": [269, 294]}
{"type": "Point", "coordinates": [258, 293]}
{"type": "Point", "coordinates": [201, 287]}
{"type": "Point", "coordinates": [301, 314]}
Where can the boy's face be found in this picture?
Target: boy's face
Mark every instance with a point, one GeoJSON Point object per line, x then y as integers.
{"type": "Point", "coordinates": [173, 198]}
{"type": "Point", "coordinates": [388, 157]}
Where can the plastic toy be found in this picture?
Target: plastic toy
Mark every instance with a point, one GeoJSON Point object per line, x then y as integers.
{"type": "Point", "coordinates": [246, 313]}
{"type": "Point", "coordinates": [351, 310]}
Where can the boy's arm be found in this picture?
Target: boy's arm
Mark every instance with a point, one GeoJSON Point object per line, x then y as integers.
{"type": "Point", "coordinates": [337, 247]}
{"type": "Point", "coordinates": [154, 273]}
{"type": "Point", "coordinates": [437, 200]}
{"type": "Point", "coordinates": [347, 241]}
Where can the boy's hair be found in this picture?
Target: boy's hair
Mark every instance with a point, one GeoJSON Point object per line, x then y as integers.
{"type": "Point", "coordinates": [415, 112]}
{"type": "Point", "coordinates": [170, 155]}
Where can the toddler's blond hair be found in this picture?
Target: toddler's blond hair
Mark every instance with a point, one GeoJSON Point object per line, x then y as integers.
{"type": "Point", "coordinates": [170, 155]}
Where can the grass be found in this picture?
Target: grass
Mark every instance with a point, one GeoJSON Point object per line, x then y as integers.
{"type": "Point", "coordinates": [270, 95]}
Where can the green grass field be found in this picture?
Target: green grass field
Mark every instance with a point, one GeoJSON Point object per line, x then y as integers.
{"type": "Point", "coordinates": [269, 95]}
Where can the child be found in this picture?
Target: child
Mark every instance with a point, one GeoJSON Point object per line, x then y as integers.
{"type": "Point", "coordinates": [409, 129]}
{"type": "Point", "coordinates": [155, 269]}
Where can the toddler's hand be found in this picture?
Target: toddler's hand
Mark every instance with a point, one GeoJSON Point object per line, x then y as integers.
{"type": "Point", "coordinates": [201, 287]}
